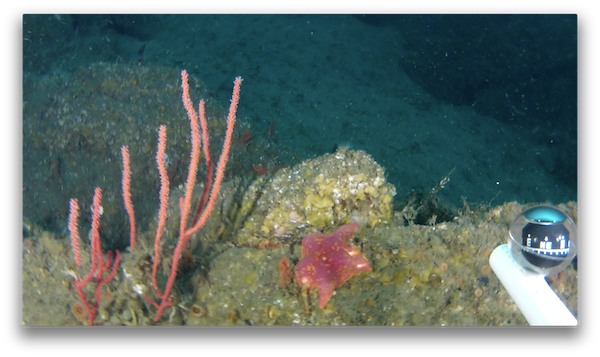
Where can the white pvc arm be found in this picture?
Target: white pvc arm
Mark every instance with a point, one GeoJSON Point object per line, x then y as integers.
{"type": "Point", "coordinates": [532, 294]}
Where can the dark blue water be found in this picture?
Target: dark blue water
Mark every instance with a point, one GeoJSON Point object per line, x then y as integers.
{"type": "Point", "coordinates": [494, 96]}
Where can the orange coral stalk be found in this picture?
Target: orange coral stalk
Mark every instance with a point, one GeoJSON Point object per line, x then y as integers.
{"type": "Point", "coordinates": [127, 195]}
{"type": "Point", "coordinates": [73, 216]}
{"type": "Point", "coordinates": [97, 267]}
{"type": "Point", "coordinates": [164, 201]}
{"type": "Point", "coordinates": [185, 202]}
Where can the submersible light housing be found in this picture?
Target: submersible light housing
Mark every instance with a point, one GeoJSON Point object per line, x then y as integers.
{"type": "Point", "coordinates": [541, 242]}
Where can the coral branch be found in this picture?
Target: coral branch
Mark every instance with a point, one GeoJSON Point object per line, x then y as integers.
{"type": "Point", "coordinates": [185, 202]}
{"type": "Point", "coordinates": [127, 195]}
{"type": "Point", "coordinates": [194, 154]}
{"type": "Point", "coordinates": [222, 159]}
{"type": "Point", "coordinates": [209, 168]}
{"type": "Point", "coordinates": [164, 201]}
{"type": "Point", "coordinates": [97, 267]}
{"type": "Point", "coordinates": [73, 217]}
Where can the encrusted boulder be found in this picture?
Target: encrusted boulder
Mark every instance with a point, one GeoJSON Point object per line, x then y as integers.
{"type": "Point", "coordinates": [313, 196]}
